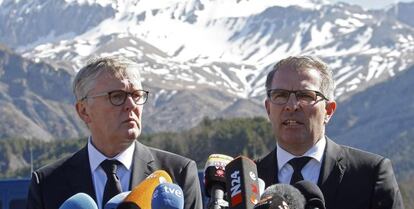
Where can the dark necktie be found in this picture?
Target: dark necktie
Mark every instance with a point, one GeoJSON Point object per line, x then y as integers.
{"type": "Point", "coordinates": [113, 185]}
{"type": "Point", "coordinates": [297, 164]}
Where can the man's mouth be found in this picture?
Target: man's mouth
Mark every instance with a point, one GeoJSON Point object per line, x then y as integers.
{"type": "Point", "coordinates": [130, 120]}
{"type": "Point", "coordinates": [291, 122]}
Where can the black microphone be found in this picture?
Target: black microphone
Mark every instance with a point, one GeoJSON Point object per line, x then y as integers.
{"type": "Point", "coordinates": [292, 197]}
{"type": "Point", "coordinates": [313, 195]}
{"type": "Point", "coordinates": [215, 181]}
{"type": "Point", "coordinates": [242, 183]}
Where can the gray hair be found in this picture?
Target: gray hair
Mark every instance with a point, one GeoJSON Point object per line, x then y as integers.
{"type": "Point", "coordinates": [117, 67]}
{"type": "Point", "coordinates": [302, 62]}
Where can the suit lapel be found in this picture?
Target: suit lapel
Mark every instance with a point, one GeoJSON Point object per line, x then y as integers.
{"type": "Point", "coordinates": [79, 175]}
{"type": "Point", "coordinates": [268, 169]}
{"type": "Point", "coordinates": [332, 171]}
{"type": "Point", "coordinates": [143, 164]}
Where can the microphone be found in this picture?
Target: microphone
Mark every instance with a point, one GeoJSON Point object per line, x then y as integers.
{"type": "Point", "coordinates": [274, 201]}
{"type": "Point", "coordinates": [292, 196]}
{"type": "Point", "coordinates": [167, 196]}
{"type": "Point", "coordinates": [242, 183]}
{"type": "Point", "coordinates": [215, 181]}
{"type": "Point", "coordinates": [79, 201]}
{"type": "Point", "coordinates": [262, 186]}
{"type": "Point", "coordinates": [313, 195]}
{"type": "Point", "coordinates": [140, 197]}
{"type": "Point", "coordinates": [116, 200]}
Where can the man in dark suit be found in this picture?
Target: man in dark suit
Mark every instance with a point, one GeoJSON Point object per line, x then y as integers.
{"type": "Point", "coordinates": [110, 101]}
{"type": "Point", "coordinates": [300, 102]}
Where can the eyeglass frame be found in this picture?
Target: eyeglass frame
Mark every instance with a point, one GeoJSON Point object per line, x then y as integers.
{"type": "Point", "coordinates": [146, 93]}
{"type": "Point", "coordinates": [318, 93]}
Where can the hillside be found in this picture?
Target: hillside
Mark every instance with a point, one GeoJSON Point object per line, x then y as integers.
{"type": "Point", "coordinates": [380, 119]}
{"type": "Point", "coordinates": [248, 137]}
{"type": "Point", "coordinates": [251, 137]}
{"type": "Point", "coordinates": [199, 58]}
{"type": "Point", "coordinates": [36, 100]}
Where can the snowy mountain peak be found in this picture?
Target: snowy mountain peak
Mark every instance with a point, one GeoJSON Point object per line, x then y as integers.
{"type": "Point", "coordinates": [220, 46]}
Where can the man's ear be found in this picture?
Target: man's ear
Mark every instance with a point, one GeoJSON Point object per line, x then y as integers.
{"type": "Point", "coordinates": [267, 105]}
{"type": "Point", "coordinates": [330, 109]}
{"type": "Point", "coordinates": [82, 111]}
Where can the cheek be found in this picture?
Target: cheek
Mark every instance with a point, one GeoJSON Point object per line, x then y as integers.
{"type": "Point", "coordinates": [106, 115]}
{"type": "Point", "coordinates": [138, 111]}
{"type": "Point", "coordinates": [273, 114]}
{"type": "Point", "coordinates": [316, 117]}
{"type": "Point", "coordinates": [274, 117]}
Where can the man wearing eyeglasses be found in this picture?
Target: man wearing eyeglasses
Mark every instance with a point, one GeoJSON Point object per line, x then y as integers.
{"type": "Point", "coordinates": [110, 101]}
{"type": "Point", "coordinates": [300, 102]}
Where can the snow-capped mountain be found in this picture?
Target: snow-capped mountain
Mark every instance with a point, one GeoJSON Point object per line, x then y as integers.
{"type": "Point", "coordinates": [210, 57]}
{"type": "Point", "coordinates": [35, 101]}
{"type": "Point", "coordinates": [380, 120]}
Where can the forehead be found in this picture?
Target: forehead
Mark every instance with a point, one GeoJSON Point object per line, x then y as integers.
{"type": "Point", "coordinates": [296, 79]}
{"type": "Point", "coordinates": [127, 80]}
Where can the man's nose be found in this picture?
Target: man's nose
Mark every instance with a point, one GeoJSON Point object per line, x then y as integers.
{"type": "Point", "coordinates": [129, 103]}
{"type": "Point", "coordinates": [292, 104]}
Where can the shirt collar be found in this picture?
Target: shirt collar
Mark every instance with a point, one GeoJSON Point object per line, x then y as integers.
{"type": "Point", "coordinates": [96, 157]}
{"type": "Point", "coordinates": [315, 152]}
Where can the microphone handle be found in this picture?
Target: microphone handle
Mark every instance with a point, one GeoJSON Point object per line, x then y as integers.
{"type": "Point", "coordinates": [217, 198]}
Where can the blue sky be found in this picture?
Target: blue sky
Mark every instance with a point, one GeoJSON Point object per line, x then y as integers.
{"type": "Point", "coordinates": [372, 4]}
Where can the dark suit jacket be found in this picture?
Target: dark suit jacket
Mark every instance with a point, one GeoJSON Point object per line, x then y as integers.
{"type": "Point", "coordinates": [349, 178]}
{"type": "Point", "coordinates": [53, 184]}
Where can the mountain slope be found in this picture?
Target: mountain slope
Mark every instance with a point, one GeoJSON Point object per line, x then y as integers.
{"type": "Point", "coordinates": [208, 57]}
{"type": "Point", "coordinates": [28, 23]}
{"type": "Point", "coordinates": [363, 47]}
{"type": "Point", "coordinates": [403, 12]}
{"type": "Point", "coordinates": [35, 100]}
{"type": "Point", "coordinates": [380, 120]}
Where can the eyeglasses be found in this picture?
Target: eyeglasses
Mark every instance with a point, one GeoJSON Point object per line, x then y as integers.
{"type": "Point", "coordinates": [118, 97]}
{"type": "Point", "coordinates": [305, 97]}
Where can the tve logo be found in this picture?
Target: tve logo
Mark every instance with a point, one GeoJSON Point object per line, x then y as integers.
{"type": "Point", "coordinates": [167, 190]}
{"type": "Point", "coordinates": [172, 190]}
{"type": "Point", "coordinates": [235, 188]}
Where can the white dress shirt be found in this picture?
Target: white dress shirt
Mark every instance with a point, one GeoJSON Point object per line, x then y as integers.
{"type": "Point", "coordinates": [310, 171]}
{"type": "Point", "coordinates": [98, 174]}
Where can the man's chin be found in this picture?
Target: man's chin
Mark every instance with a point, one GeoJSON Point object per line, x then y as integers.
{"type": "Point", "coordinates": [133, 134]}
{"type": "Point", "coordinates": [293, 139]}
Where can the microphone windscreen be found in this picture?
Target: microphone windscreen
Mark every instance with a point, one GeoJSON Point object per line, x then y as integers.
{"type": "Point", "coordinates": [214, 172]}
{"type": "Point", "coordinates": [313, 195]}
{"type": "Point", "coordinates": [167, 196]}
{"type": "Point", "coordinates": [272, 202]}
{"type": "Point", "coordinates": [217, 160]}
{"type": "Point", "coordinates": [242, 184]}
{"type": "Point", "coordinates": [141, 195]}
{"type": "Point", "coordinates": [79, 201]}
{"type": "Point", "coordinates": [116, 200]}
{"type": "Point", "coordinates": [292, 196]}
